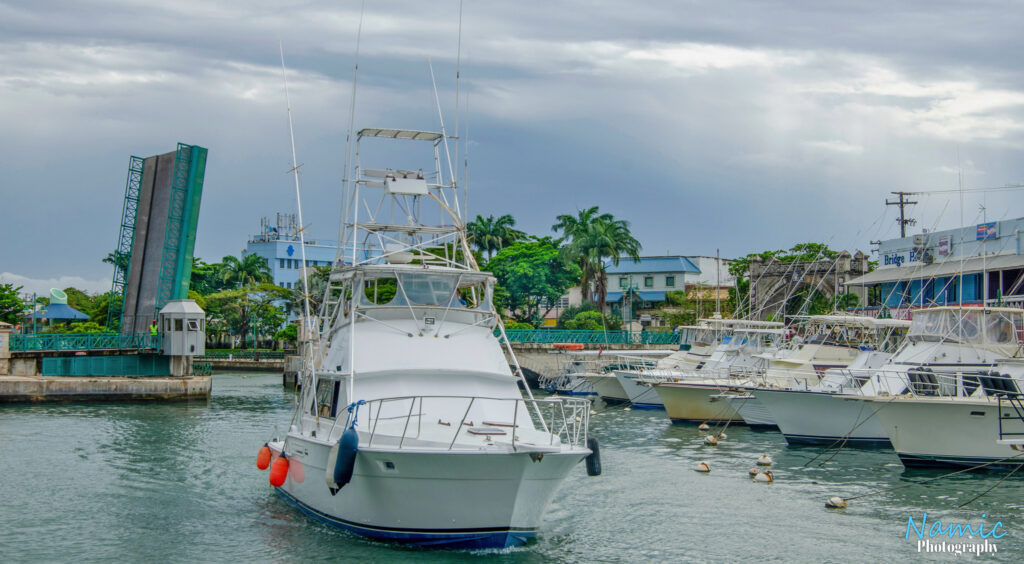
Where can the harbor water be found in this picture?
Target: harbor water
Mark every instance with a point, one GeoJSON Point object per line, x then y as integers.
{"type": "Point", "coordinates": [177, 482]}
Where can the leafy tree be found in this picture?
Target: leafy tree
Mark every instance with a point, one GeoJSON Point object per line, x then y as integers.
{"type": "Point", "coordinates": [531, 272]}
{"type": "Point", "coordinates": [490, 235]}
{"type": "Point", "coordinates": [206, 278]}
{"type": "Point", "coordinates": [11, 304]}
{"type": "Point", "coordinates": [290, 334]}
{"type": "Point", "coordinates": [251, 311]}
{"type": "Point", "coordinates": [593, 238]}
{"type": "Point", "coordinates": [587, 320]}
{"type": "Point", "coordinates": [251, 269]}
{"type": "Point", "coordinates": [119, 260]}
{"type": "Point", "coordinates": [573, 316]}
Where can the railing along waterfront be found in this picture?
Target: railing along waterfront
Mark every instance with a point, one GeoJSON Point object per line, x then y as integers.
{"type": "Point", "coordinates": [83, 341]}
{"type": "Point", "coordinates": [618, 337]}
{"type": "Point", "coordinates": [242, 355]}
{"type": "Point", "coordinates": [565, 418]}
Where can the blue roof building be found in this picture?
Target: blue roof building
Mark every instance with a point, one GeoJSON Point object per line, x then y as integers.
{"type": "Point", "coordinates": [651, 277]}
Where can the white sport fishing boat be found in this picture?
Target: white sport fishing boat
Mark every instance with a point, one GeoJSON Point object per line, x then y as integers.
{"type": "Point", "coordinates": [834, 413]}
{"type": "Point", "coordinates": [637, 378]}
{"type": "Point", "coordinates": [696, 396]}
{"type": "Point", "coordinates": [825, 343]}
{"type": "Point", "coordinates": [959, 410]}
{"type": "Point", "coordinates": [410, 425]}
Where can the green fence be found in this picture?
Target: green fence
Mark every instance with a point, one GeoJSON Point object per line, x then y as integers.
{"type": "Point", "coordinates": [243, 355]}
{"type": "Point", "coordinates": [83, 341]}
{"type": "Point", "coordinates": [550, 336]}
{"type": "Point", "coordinates": [112, 365]}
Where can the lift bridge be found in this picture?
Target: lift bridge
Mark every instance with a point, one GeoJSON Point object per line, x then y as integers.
{"type": "Point", "coordinates": [153, 266]}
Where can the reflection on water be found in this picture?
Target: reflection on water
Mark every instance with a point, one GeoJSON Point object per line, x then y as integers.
{"type": "Point", "coordinates": [178, 482]}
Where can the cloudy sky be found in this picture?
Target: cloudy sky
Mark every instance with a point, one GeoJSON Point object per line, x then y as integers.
{"type": "Point", "coordinates": [740, 125]}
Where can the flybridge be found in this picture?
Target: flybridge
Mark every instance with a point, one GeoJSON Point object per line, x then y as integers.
{"type": "Point", "coordinates": [401, 134]}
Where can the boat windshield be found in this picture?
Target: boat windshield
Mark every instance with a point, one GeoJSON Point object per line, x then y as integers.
{"type": "Point", "coordinates": [445, 289]}
{"type": "Point", "coordinates": [969, 325]}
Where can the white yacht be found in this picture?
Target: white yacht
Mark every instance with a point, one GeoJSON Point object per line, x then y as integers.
{"type": "Point", "coordinates": [696, 396]}
{"type": "Point", "coordinates": [824, 343]}
{"type": "Point", "coordinates": [410, 425]}
{"type": "Point", "coordinates": [962, 407]}
{"type": "Point", "coordinates": [709, 346]}
{"type": "Point", "coordinates": [834, 413]}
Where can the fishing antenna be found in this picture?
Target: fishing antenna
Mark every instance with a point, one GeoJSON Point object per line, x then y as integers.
{"type": "Point", "coordinates": [346, 181]}
{"type": "Point", "coordinates": [307, 321]}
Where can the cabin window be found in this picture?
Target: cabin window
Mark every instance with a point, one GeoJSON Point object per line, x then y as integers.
{"type": "Point", "coordinates": [177, 325]}
{"type": "Point", "coordinates": [193, 325]}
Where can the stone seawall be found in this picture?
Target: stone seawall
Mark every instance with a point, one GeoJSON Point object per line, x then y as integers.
{"type": "Point", "coordinates": [38, 389]}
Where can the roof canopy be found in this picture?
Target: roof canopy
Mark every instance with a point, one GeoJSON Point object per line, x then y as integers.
{"type": "Point", "coordinates": [951, 267]}
{"type": "Point", "coordinates": [61, 311]}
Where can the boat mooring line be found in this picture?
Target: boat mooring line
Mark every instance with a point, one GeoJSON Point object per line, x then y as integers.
{"type": "Point", "coordinates": [842, 442]}
{"type": "Point", "coordinates": [961, 471]}
{"type": "Point", "coordinates": [1001, 480]}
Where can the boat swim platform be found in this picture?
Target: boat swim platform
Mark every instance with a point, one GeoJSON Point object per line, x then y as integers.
{"type": "Point", "coordinates": [65, 389]}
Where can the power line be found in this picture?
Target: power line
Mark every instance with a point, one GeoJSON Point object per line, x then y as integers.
{"type": "Point", "coordinates": [1003, 188]}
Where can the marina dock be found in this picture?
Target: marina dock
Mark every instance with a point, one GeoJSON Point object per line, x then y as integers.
{"type": "Point", "coordinates": [42, 389]}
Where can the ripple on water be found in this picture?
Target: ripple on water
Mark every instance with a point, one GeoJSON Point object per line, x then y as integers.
{"type": "Point", "coordinates": [177, 482]}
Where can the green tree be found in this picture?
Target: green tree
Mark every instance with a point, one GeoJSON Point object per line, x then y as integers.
{"type": "Point", "coordinates": [251, 311]}
{"type": "Point", "coordinates": [250, 269]}
{"type": "Point", "coordinates": [490, 235]}
{"type": "Point", "coordinates": [11, 304]}
{"type": "Point", "coordinates": [206, 278]}
{"type": "Point", "coordinates": [531, 273]}
{"type": "Point", "coordinates": [594, 238]}
{"type": "Point", "coordinates": [801, 252]}
{"type": "Point", "coordinates": [119, 260]}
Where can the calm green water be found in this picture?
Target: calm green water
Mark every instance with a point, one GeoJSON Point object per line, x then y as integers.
{"type": "Point", "coordinates": [178, 483]}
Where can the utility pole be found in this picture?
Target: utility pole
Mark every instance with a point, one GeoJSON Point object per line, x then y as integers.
{"type": "Point", "coordinates": [902, 203]}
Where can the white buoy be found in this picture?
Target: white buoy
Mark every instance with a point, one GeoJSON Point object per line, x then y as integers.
{"type": "Point", "coordinates": [704, 427]}
{"type": "Point", "coordinates": [592, 412]}
{"type": "Point", "coordinates": [628, 409]}
{"type": "Point", "coordinates": [702, 467]}
{"type": "Point", "coordinates": [764, 460]}
{"type": "Point", "coordinates": [722, 436]}
{"type": "Point", "coordinates": [753, 472]}
{"type": "Point", "coordinates": [764, 477]}
{"type": "Point", "coordinates": [710, 440]}
{"type": "Point", "coordinates": [835, 502]}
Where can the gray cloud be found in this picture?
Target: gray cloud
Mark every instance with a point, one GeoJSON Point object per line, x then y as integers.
{"type": "Point", "coordinates": [739, 126]}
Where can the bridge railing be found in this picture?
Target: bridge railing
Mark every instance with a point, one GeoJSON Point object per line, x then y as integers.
{"type": "Point", "coordinates": [242, 354]}
{"type": "Point", "coordinates": [83, 341]}
{"type": "Point", "coordinates": [619, 337]}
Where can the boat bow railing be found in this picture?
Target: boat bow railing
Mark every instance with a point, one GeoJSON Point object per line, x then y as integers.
{"type": "Point", "coordinates": [408, 422]}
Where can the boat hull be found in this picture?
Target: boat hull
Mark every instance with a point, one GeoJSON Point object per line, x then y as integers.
{"type": "Point", "coordinates": [608, 388]}
{"type": "Point", "coordinates": [817, 418]}
{"type": "Point", "coordinates": [445, 499]}
{"type": "Point", "coordinates": [945, 433]}
{"type": "Point", "coordinates": [696, 403]}
{"type": "Point", "coordinates": [641, 396]}
{"type": "Point", "coordinates": [753, 412]}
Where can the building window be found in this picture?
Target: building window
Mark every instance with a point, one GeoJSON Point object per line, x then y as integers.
{"type": "Point", "coordinates": [280, 263]}
{"type": "Point", "coordinates": [670, 281]}
{"type": "Point", "coordinates": [648, 281]}
{"type": "Point", "coordinates": [623, 282]}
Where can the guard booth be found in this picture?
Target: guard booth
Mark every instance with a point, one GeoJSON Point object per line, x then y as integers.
{"type": "Point", "coordinates": [183, 328]}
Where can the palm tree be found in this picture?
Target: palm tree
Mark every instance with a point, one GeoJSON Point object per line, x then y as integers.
{"type": "Point", "coordinates": [490, 235]}
{"type": "Point", "coordinates": [593, 238]}
{"type": "Point", "coordinates": [251, 269]}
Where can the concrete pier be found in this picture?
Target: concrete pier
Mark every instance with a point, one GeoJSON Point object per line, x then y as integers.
{"type": "Point", "coordinates": [40, 389]}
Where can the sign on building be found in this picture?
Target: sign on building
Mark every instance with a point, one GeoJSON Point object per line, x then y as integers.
{"type": "Point", "coordinates": [987, 231]}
